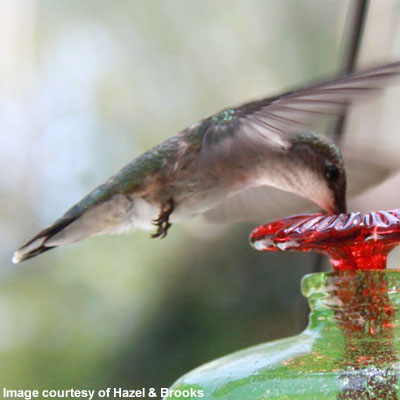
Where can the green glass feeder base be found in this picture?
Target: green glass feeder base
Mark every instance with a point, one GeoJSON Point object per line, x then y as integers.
{"type": "Point", "coordinates": [350, 349]}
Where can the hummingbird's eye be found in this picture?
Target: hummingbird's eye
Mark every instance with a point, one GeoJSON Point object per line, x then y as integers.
{"type": "Point", "coordinates": [332, 173]}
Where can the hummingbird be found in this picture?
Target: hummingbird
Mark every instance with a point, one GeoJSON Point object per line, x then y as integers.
{"type": "Point", "coordinates": [263, 144]}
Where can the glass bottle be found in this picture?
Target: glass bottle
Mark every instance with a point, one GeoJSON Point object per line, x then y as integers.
{"type": "Point", "coordinates": [351, 347]}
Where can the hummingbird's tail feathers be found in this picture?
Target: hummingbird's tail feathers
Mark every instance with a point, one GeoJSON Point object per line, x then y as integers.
{"type": "Point", "coordinates": [119, 214]}
{"type": "Point", "coordinates": [68, 229]}
{"type": "Point", "coordinates": [40, 243]}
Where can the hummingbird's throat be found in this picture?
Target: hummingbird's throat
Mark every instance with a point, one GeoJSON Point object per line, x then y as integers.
{"type": "Point", "coordinates": [304, 182]}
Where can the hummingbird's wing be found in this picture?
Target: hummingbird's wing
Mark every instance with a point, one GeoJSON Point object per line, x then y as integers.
{"type": "Point", "coordinates": [258, 204]}
{"type": "Point", "coordinates": [366, 169]}
{"type": "Point", "coordinates": [264, 124]}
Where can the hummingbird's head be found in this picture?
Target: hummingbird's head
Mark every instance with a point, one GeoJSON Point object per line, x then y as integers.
{"type": "Point", "coordinates": [320, 171]}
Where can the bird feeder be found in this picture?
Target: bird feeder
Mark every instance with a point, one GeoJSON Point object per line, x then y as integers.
{"type": "Point", "coordinates": [351, 347]}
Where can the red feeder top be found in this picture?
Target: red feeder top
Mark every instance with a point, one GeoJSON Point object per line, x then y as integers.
{"type": "Point", "coordinates": [351, 241]}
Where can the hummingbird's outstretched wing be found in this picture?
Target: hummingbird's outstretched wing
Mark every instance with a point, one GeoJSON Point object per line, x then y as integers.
{"type": "Point", "coordinates": [258, 204]}
{"type": "Point", "coordinates": [267, 122]}
{"type": "Point", "coordinates": [237, 132]}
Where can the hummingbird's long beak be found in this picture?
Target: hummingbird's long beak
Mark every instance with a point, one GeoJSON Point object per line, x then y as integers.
{"type": "Point", "coordinates": [340, 202]}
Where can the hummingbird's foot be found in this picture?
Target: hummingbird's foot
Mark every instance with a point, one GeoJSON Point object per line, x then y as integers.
{"type": "Point", "coordinates": [162, 222]}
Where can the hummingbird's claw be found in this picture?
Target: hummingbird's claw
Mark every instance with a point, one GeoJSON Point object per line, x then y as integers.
{"type": "Point", "coordinates": [162, 222]}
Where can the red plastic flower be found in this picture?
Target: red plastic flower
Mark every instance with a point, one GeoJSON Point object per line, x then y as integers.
{"type": "Point", "coordinates": [351, 241]}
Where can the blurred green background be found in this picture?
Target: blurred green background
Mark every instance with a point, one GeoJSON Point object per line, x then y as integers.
{"type": "Point", "coordinates": [85, 86]}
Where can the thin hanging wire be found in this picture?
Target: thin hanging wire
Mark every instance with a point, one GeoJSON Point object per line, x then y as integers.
{"type": "Point", "coordinates": [352, 48]}
{"type": "Point", "coordinates": [355, 27]}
